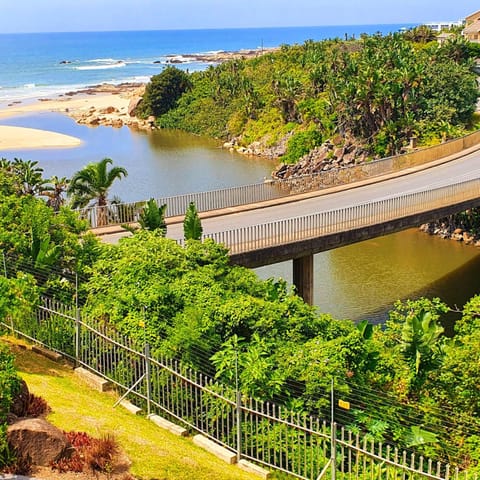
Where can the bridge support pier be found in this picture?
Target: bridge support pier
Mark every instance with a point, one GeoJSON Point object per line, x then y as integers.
{"type": "Point", "coordinates": [303, 277]}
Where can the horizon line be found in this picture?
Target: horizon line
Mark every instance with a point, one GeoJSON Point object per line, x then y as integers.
{"type": "Point", "coordinates": [212, 28]}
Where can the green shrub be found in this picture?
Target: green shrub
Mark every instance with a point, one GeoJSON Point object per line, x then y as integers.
{"type": "Point", "coordinates": [163, 92]}
{"type": "Point", "coordinates": [301, 143]}
{"type": "Point", "coordinates": [9, 387]}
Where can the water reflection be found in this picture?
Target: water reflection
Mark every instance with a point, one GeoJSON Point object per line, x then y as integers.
{"type": "Point", "coordinates": [365, 279]}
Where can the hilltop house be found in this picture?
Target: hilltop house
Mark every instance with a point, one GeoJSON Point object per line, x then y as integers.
{"type": "Point", "coordinates": [472, 27]}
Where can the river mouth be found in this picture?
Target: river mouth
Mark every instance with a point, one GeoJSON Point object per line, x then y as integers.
{"type": "Point", "coordinates": [360, 281]}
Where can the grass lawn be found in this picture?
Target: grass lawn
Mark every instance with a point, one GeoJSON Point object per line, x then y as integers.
{"type": "Point", "coordinates": [155, 454]}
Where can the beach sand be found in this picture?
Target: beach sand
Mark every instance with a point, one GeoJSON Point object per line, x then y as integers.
{"type": "Point", "coordinates": [19, 138]}
{"type": "Point", "coordinates": [76, 105]}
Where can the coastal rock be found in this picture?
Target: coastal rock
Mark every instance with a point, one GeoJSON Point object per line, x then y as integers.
{"type": "Point", "coordinates": [117, 123]}
{"type": "Point", "coordinates": [93, 121]}
{"type": "Point", "coordinates": [39, 440]}
{"type": "Point", "coordinates": [108, 110]}
{"type": "Point", "coordinates": [133, 105]}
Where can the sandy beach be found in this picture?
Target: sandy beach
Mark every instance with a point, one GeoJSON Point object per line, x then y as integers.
{"type": "Point", "coordinates": [106, 102]}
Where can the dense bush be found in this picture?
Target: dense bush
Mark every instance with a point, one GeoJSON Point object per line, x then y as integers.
{"type": "Point", "coordinates": [380, 90]}
{"type": "Point", "coordinates": [9, 387]}
{"type": "Point", "coordinates": [163, 91]}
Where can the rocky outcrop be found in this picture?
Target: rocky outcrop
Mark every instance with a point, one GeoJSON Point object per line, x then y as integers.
{"type": "Point", "coordinates": [451, 229]}
{"type": "Point", "coordinates": [261, 148]}
{"type": "Point", "coordinates": [38, 440]}
{"type": "Point", "coordinates": [328, 156]}
{"type": "Point", "coordinates": [110, 117]}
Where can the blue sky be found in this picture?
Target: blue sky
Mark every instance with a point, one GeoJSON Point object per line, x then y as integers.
{"type": "Point", "coordinates": [87, 15]}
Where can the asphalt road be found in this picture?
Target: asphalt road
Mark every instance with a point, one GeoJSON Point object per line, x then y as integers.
{"type": "Point", "coordinates": [462, 169]}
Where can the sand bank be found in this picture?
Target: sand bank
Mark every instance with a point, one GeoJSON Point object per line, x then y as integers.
{"type": "Point", "coordinates": [19, 138]}
{"type": "Point", "coordinates": [112, 101]}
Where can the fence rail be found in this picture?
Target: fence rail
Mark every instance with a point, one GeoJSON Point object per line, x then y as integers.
{"type": "Point", "coordinates": [303, 446]}
{"type": "Point", "coordinates": [117, 214]}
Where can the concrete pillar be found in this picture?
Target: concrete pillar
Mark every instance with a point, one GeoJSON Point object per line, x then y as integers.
{"type": "Point", "coordinates": [303, 277]}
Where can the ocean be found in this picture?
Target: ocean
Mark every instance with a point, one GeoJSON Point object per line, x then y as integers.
{"type": "Point", "coordinates": [40, 65]}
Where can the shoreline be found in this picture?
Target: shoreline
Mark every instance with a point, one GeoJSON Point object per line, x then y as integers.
{"type": "Point", "coordinates": [101, 104]}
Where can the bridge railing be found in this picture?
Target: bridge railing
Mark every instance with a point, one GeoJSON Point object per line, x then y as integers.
{"type": "Point", "coordinates": [121, 213]}
{"type": "Point", "coordinates": [257, 237]}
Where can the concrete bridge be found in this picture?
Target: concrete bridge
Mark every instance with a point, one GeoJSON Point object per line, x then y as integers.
{"type": "Point", "coordinates": [297, 226]}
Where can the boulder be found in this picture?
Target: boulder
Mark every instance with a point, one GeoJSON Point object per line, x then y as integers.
{"type": "Point", "coordinates": [38, 440]}
{"type": "Point", "coordinates": [108, 110]}
{"type": "Point", "coordinates": [133, 104]}
{"type": "Point", "coordinates": [117, 123]}
{"type": "Point", "coordinates": [93, 121]}
{"type": "Point", "coordinates": [21, 401]}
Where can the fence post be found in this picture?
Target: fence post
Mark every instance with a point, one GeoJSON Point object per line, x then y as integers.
{"type": "Point", "coordinates": [333, 433]}
{"type": "Point", "coordinates": [147, 377]}
{"type": "Point", "coordinates": [4, 265]}
{"type": "Point", "coordinates": [77, 336]}
{"type": "Point", "coordinates": [238, 411]}
{"type": "Point", "coordinates": [77, 324]}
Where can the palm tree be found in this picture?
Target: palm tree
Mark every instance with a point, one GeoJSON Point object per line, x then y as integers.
{"type": "Point", "coordinates": [28, 175]}
{"type": "Point", "coordinates": [92, 183]}
{"type": "Point", "coordinates": [54, 192]}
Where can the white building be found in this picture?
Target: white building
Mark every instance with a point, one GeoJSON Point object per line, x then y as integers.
{"type": "Point", "coordinates": [440, 26]}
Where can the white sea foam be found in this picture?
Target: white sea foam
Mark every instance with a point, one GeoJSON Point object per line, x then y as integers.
{"type": "Point", "coordinates": [105, 66]}
{"type": "Point", "coordinates": [103, 60]}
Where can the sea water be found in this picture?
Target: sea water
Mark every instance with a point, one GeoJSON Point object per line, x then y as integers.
{"type": "Point", "coordinates": [44, 64]}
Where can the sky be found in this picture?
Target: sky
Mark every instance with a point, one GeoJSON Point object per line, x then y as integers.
{"type": "Point", "coordinates": [19, 16]}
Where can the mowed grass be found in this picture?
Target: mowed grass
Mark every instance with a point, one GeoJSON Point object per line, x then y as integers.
{"type": "Point", "coordinates": [154, 453]}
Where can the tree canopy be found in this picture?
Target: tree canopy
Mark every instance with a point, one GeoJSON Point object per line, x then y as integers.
{"type": "Point", "coordinates": [380, 90]}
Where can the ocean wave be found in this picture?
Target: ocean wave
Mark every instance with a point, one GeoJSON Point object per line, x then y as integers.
{"type": "Point", "coordinates": [105, 66]}
{"type": "Point", "coordinates": [103, 60]}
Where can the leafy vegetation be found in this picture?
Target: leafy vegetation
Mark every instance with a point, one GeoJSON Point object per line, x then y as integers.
{"type": "Point", "coordinates": [379, 90]}
{"type": "Point", "coordinates": [93, 182]}
{"type": "Point", "coordinates": [163, 91]}
{"type": "Point", "coordinates": [9, 386]}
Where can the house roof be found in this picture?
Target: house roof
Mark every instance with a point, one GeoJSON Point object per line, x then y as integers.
{"type": "Point", "coordinates": [472, 28]}
{"type": "Point", "coordinates": [472, 16]}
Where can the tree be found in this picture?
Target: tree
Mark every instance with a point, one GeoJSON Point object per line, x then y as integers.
{"type": "Point", "coordinates": [192, 226]}
{"type": "Point", "coordinates": [54, 192]}
{"type": "Point", "coordinates": [29, 176]}
{"type": "Point", "coordinates": [153, 217]}
{"type": "Point", "coordinates": [163, 92]}
{"type": "Point", "coordinates": [92, 183]}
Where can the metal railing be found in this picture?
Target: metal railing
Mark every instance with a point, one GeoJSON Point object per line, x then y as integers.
{"type": "Point", "coordinates": [296, 229]}
{"type": "Point", "coordinates": [124, 213]}
{"type": "Point", "coordinates": [301, 445]}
